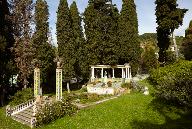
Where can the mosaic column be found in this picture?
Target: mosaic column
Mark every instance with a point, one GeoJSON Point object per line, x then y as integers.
{"type": "Point", "coordinates": [36, 82]}
{"type": "Point", "coordinates": [58, 84]}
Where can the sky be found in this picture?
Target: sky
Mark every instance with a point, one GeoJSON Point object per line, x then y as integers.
{"type": "Point", "coordinates": [145, 13]}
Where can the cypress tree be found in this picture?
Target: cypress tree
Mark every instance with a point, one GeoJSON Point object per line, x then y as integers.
{"type": "Point", "coordinates": [23, 49]}
{"type": "Point", "coordinates": [186, 47]}
{"type": "Point", "coordinates": [78, 36]}
{"type": "Point", "coordinates": [129, 51]}
{"type": "Point", "coordinates": [168, 18]}
{"type": "Point", "coordinates": [101, 29]}
{"type": "Point", "coordinates": [65, 39]}
{"type": "Point", "coordinates": [44, 51]}
{"type": "Point", "coordinates": [6, 42]}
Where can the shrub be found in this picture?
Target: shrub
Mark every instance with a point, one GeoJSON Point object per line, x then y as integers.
{"type": "Point", "coordinates": [137, 86]}
{"type": "Point", "coordinates": [174, 82]}
{"type": "Point", "coordinates": [171, 57]}
{"type": "Point", "coordinates": [93, 97]}
{"type": "Point", "coordinates": [148, 58]}
{"type": "Point", "coordinates": [186, 49]}
{"type": "Point", "coordinates": [51, 112]}
{"type": "Point", "coordinates": [126, 85]}
{"type": "Point", "coordinates": [83, 89]}
{"type": "Point", "coordinates": [21, 96]}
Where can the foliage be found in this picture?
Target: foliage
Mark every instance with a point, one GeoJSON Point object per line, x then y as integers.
{"type": "Point", "coordinates": [187, 49]}
{"type": "Point", "coordinates": [168, 18]}
{"type": "Point", "coordinates": [6, 42]}
{"type": "Point", "coordinates": [83, 89]}
{"type": "Point", "coordinates": [65, 39]}
{"type": "Point", "coordinates": [41, 41]}
{"type": "Point", "coordinates": [129, 51]}
{"type": "Point", "coordinates": [51, 112]}
{"type": "Point", "coordinates": [21, 96]}
{"type": "Point", "coordinates": [127, 85]}
{"type": "Point", "coordinates": [101, 32]}
{"type": "Point", "coordinates": [148, 57]}
{"type": "Point", "coordinates": [23, 49]}
{"type": "Point", "coordinates": [79, 38]}
{"type": "Point", "coordinates": [171, 57]}
{"type": "Point", "coordinates": [173, 82]}
{"type": "Point", "coordinates": [187, 43]}
{"type": "Point", "coordinates": [149, 38]}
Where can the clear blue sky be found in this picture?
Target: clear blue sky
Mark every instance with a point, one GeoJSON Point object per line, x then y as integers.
{"type": "Point", "coordinates": [145, 12]}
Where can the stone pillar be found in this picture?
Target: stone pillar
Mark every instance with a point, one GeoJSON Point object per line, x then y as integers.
{"type": "Point", "coordinates": [130, 73]}
{"type": "Point", "coordinates": [36, 82]}
{"type": "Point", "coordinates": [92, 74]}
{"type": "Point", "coordinates": [102, 73]}
{"type": "Point", "coordinates": [113, 73]}
{"type": "Point", "coordinates": [122, 73]}
{"type": "Point", "coordinates": [58, 84]}
{"type": "Point", "coordinates": [126, 74]}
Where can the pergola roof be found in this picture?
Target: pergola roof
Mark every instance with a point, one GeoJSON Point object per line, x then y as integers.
{"type": "Point", "coordinates": [111, 66]}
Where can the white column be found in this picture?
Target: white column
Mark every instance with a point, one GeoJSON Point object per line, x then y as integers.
{"type": "Point", "coordinates": [102, 73]}
{"type": "Point", "coordinates": [130, 73]}
{"type": "Point", "coordinates": [122, 73]}
{"type": "Point", "coordinates": [113, 73]}
{"type": "Point", "coordinates": [126, 74]}
{"type": "Point", "coordinates": [92, 74]}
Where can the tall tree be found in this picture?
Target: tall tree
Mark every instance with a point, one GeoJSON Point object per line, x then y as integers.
{"type": "Point", "coordinates": [6, 42]}
{"type": "Point", "coordinates": [187, 43]}
{"type": "Point", "coordinates": [168, 18]}
{"type": "Point", "coordinates": [65, 39]}
{"type": "Point", "coordinates": [44, 50]}
{"type": "Point", "coordinates": [100, 29]}
{"type": "Point", "coordinates": [78, 36]}
{"type": "Point", "coordinates": [128, 35]}
{"type": "Point", "coordinates": [23, 50]}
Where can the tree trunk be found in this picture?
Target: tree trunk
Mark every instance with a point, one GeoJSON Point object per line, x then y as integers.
{"type": "Point", "coordinates": [2, 97]}
{"type": "Point", "coordinates": [68, 89]}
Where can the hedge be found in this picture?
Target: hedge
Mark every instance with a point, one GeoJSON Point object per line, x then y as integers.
{"type": "Point", "coordinates": [174, 82]}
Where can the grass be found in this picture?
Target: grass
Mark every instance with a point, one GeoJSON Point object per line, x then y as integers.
{"type": "Point", "coordinates": [133, 110]}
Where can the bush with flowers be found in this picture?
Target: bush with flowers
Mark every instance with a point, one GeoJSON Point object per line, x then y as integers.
{"type": "Point", "coordinates": [52, 111]}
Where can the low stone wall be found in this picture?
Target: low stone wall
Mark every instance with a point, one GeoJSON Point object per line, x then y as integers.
{"type": "Point", "coordinates": [123, 80]}
{"type": "Point", "coordinates": [101, 90]}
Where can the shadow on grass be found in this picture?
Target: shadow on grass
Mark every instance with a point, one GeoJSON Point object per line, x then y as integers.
{"type": "Point", "coordinates": [176, 117]}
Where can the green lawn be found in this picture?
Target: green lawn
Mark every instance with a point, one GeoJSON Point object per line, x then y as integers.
{"type": "Point", "coordinates": [128, 111]}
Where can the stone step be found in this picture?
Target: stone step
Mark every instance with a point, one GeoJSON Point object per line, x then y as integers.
{"type": "Point", "coordinates": [23, 117]}
{"type": "Point", "coordinates": [26, 114]}
{"type": "Point", "coordinates": [22, 120]}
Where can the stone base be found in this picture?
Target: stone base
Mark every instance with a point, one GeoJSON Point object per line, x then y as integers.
{"type": "Point", "coordinates": [101, 91]}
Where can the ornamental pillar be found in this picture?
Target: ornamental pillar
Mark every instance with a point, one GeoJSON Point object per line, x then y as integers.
{"type": "Point", "coordinates": [36, 82]}
{"type": "Point", "coordinates": [58, 84]}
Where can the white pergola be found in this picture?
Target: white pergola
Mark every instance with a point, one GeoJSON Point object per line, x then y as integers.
{"type": "Point", "coordinates": [126, 70]}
